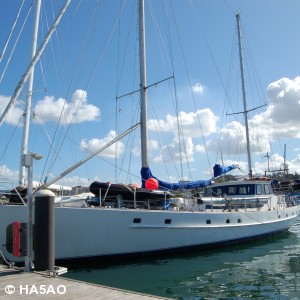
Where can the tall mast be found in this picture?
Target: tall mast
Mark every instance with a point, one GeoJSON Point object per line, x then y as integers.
{"type": "Point", "coordinates": [285, 165]}
{"type": "Point", "coordinates": [143, 87]}
{"type": "Point", "coordinates": [27, 112]}
{"type": "Point", "coordinates": [244, 96]}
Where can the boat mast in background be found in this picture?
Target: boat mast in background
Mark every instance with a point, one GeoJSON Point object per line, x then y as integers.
{"type": "Point", "coordinates": [285, 165]}
{"type": "Point", "coordinates": [142, 44]}
{"type": "Point", "coordinates": [27, 112]}
{"type": "Point", "coordinates": [244, 95]}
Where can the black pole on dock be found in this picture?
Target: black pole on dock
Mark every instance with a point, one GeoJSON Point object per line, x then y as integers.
{"type": "Point", "coordinates": [44, 226]}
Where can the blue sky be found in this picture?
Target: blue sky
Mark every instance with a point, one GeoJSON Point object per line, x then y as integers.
{"type": "Point", "coordinates": [93, 57]}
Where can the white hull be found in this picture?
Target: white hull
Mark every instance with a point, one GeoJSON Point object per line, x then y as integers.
{"type": "Point", "coordinates": [93, 232]}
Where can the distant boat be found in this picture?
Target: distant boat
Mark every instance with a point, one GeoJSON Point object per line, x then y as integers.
{"type": "Point", "coordinates": [154, 218]}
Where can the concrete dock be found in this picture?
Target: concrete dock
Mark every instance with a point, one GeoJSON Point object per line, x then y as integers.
{"type": "Point", "coordinates": [17, 284]}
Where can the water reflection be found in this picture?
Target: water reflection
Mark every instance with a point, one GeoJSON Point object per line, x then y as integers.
{"type": "Point", "coordinates": [268, 269]}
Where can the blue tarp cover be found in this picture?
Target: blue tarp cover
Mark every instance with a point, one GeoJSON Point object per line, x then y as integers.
{"type": "Point", "coordinates": [163, 185]}
{"type": "Point", "coordinates": [220, 170]}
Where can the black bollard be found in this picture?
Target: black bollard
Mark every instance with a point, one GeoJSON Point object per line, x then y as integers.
{"type": "Point", "coordinates": [44, 226]}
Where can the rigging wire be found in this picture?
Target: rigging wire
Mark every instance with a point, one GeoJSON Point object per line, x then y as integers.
{"type": "Point", "coordinates": [163, 49]}
{"type": "Point", "coordinates": [130, 147]}
{"type": "Point", "coordinates": [11, 31]}
{"type": "Point", "coordinates": [108, 39]}
{"type": "Point", "coordinates": [177, 109]}
{"type": "Point", "coordinates": [226, 90]}
{"type": "Point", "coordinates": [37, 81]}
{"type": "Point", "coordinates": [158, 124]}
{"type": "Point", "coordinates": [10, 138]}
{"type": "Point", "coordinates": [168, 54]}
{"type": "Point", "coordinates": [227, 98]}
{"type": "Point", "coordinates": [68, 114]}
{"type": "Point", "coordinates": [99, 59]}
{"type": "Point", "coordinates": [239, 129]}
{"type": "Point", "coordinates": [239, 126]}
{"type": "Point", "coordinates": [213, 60]}
{"type": "Point", "coordinates": [120, 68]}
{"type": "Point", "coordinates": [37, 113]}
{"type": "Point", "coordinates": [190, 83]}
{"type": "Point", "coordinates": [255, 85]}
{"type": "Point", "coordinates": [42, 121]}
{"type": "Point", "coordinates": [267, 121]}
{"type": "Point", "coordinates": [16, 42]}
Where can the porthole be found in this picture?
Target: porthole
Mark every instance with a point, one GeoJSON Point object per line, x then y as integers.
{"type": "Point", "coordinates": [239, 221]}
{"type": "Point", "coordinates": [168, 221]}
{"type": "Point", "coordinates": [208, 221]}
{"type": "Point", "coordinates": [227, 221]}
{"type": "Point", "coordinates": [137, 220]}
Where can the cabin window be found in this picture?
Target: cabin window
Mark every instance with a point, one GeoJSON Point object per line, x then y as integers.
{"type": "Point", "coordinates": [286, 215]}
{"type": "Point", "coordinates": [168, 221]}
{"type": "Point", "coordinates": [227, 221]}
{"type": "Point", "coordinates": [219, 192]}
{"type": "Point", "coordinates": [239, 221]}
{"type": "Point", "coordinates": [243, 190]}
{"type": "Point", "coordinates": [259, 189]}
{"type": "Point", "coordinates": [232, 190]}
{"type": "Point", "coordinates": [137, 220]}
{"type": "Point", "coordinates": [207, 192]}
{"type": "Point", "coordinates": [248, 189]}
{"type": "Point", "coordinates": [208, 221]}
{"type": "Point", "coordinates": [267, 189]}
{"type": "Point", "coordinates": [279, 216]}
{"type": "Point", "coordinates": [216, 191]}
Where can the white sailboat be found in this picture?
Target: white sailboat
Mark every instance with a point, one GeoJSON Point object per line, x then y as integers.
{"type": "Point", "coordinates": [131, 221]}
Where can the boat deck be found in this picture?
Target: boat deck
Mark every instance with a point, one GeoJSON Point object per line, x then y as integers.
{"type": "Point", "coordinates": [15, 283]}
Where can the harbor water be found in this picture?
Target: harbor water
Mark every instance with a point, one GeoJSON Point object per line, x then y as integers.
{"type": "Point", "coordinates": [264, 269]}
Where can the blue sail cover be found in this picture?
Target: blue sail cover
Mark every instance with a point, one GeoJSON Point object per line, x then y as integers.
{"type": "Point", "coordinates": [163, 185]}
{"type": "Point", "coordinates": [220, 170]}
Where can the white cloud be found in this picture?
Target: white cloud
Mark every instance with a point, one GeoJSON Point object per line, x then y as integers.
{"type": "Point", "coordinates": [194, 124]}
{"type": "Point", "coordinates": [198, 88]}
{"type": "Point", "coordinates": [95, 144]}
{"type": "Point", "coordinates": [153, 145]}
{"type": "Point", "coordinates": [294, 165]}
{"type": "Point", "coordinates": [175, 153]}
{"type": "Point", "coordinates": [232, 140]}
{"type": "Point", "coordinates": [199, 148]}
{"type": "Point", "coordinates": [14, 114]}
{"type": "Point", "coordinates": [284, 96]}
{"type": "Point", "coordinates": [50, 109]}
{"type": "Point", "coordinates": [77, 111]}
{"type": "Point", "coordinates": [136, 151]}
{"type": "Point", "coordinates": [276, 164]}
{"type": "Point", "coordinates": [8, 174]}
{"type": "Point", "coordinates": [280, 120]}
